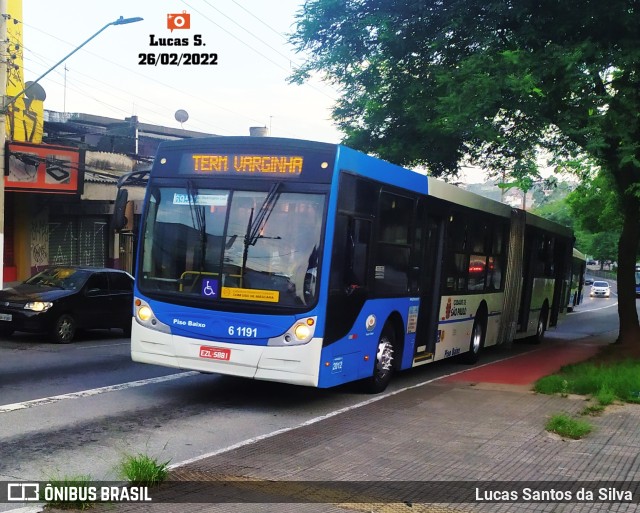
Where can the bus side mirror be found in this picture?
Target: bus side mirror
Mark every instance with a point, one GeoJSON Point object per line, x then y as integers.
{"type": "Point", "coordinates": [119, 217]}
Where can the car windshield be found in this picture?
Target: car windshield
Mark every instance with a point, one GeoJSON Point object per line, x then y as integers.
{"type": "Point", "coordinates": [600, 284]}
{"type": "Point", "coordinates": [241, 246]}
{"type": "Point", "coordinates": [60, 277]}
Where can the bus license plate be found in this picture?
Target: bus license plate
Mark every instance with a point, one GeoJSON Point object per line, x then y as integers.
{"type": "Point", "coordinates": [215, 353]}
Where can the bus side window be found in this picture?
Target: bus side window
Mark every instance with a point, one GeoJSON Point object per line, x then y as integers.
{"type": "Point", "coordinates": [359, 239]}
{"type": "Point", "coordinates": [350, 254]}
{"type": "Point", "coordinates": [392, 255]}
{"type": "Point", "coordinates": [456, 259]}
{"type": "Point", "coordinates": [339, 253]}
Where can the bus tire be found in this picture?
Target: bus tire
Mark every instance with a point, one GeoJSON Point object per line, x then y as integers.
{"type": "Point", "coordinates": [383, 365]}
{"type": "Point", "coordinates": [541, 327]}
{"type": "Point", "coordinates": [476, 342]}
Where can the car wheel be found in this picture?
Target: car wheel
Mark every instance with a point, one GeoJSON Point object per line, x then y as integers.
{"type": "Point", "coordinates": [126, 329]}
{"type": "Point", "coordinates": [383, 365]}
{"type": "Point", "coordinates": [64, 329]}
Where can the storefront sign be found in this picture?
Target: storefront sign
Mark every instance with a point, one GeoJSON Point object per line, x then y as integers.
{"type": "Point", "coordinates": [43, 168]}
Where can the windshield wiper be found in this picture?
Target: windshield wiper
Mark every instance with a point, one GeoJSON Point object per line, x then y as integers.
{"type": "Point", "coordinates": [254, 227]}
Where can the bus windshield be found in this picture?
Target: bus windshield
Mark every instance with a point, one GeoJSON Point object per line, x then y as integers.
{"type": "Point", "coordinates": [239, 246]}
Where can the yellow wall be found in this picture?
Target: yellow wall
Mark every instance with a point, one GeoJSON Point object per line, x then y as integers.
{"type": "Point", "coordinates": [24, 119]}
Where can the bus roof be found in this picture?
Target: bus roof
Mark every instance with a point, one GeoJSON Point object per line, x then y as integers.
{"type": "Point", "coordinates": [348, 159]}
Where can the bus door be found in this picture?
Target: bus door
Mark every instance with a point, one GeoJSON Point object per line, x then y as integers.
{"type": "Point", "coordinates": [562, 276]}
{"type": "Point", "coordinates": [429, 231]}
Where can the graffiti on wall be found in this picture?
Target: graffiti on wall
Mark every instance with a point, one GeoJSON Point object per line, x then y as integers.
{"type": "Point", "coordinates": [92, 240]}
{"type": "Point", "coordinates": [25, 116]}
{"type": "Point", "coordinates": [39, 240]}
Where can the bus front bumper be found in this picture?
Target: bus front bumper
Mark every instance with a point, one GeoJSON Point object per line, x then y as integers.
{"type": "Point", "coordinates": [298, 365]}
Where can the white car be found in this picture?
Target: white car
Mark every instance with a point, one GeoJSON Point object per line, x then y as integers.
{"type": "Point", "coordinates": [600, 289]}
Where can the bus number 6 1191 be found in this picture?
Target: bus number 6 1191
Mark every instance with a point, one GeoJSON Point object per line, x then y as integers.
{"type": "Point", "coordinates": [243, 331]}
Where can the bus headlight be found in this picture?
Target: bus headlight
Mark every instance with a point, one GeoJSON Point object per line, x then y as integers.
{"type": "Point", "coordinates": [300, 333]}
{"type": "Point", "coordinates": [146, 317]}
{"type": "Point", "coordinates": [145, 313]}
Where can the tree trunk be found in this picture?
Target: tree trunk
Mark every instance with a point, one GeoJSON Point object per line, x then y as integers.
{"type": "Point", "coordinates": [627, 248]}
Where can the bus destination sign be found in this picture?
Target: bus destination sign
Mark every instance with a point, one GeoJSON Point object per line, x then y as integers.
{"type": "Point", "coordinates": [281, 165]}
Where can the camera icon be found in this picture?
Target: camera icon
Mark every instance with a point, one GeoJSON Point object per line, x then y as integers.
{"type": "Point", "coordinates": [178, 21]}
{"type": "Point", "coordinates": [23, 492]}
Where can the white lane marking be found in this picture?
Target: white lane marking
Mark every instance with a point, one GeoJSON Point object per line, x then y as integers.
{"type": "Point", "coordinates": [94, 391]}
{"type": "Point", "coordinates": [101, 346]}
{"type": "Point", "coordinates": [315, 420]}
{"type": "Point", "coordinates": [593, 309]}
{"type": "Point", "coordinates": [26, 509]}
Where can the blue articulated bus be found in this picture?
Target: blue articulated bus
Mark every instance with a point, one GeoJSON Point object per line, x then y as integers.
{"type": "Point", "coordinates": [313, 264]}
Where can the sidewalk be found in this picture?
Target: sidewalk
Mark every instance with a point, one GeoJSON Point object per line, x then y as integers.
{"type": "Point", "coordinates": [436, 442]}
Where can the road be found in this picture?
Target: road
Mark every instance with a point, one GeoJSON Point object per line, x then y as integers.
{"type": "Point", "coordinates": [69, 410]}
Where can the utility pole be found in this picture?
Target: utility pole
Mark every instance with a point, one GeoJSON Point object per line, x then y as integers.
{"type": "Point", "coordinates": [4, 55]}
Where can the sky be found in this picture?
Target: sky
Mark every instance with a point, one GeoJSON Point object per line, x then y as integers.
{"type": "Point", "coordinates": [108, 77]}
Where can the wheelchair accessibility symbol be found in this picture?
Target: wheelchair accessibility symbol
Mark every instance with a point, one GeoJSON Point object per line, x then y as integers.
{"type": "Point", "coordinates": [210, 288]}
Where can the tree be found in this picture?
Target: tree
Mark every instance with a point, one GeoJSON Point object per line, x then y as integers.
{"type": "Point", "coordinates": [594, 205]}
{"type": "Point", "coordinates": [436, 82]}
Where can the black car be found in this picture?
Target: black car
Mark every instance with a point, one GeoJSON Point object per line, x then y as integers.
{"type": "Point", "coordinates": [61, 300]}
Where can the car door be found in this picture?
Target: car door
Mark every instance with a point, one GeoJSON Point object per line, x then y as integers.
{"type": "Point", "coordinates": [121, 293]}
{"type": "Point", "coordinates": [97, 308]}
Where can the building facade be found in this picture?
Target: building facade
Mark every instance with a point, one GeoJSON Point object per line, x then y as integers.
{"type": "Point", "coordinates": [59, 195]}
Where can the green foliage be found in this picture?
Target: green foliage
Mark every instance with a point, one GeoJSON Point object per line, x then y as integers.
{"type": "Point", "coordinates": [556, 211]}
{"type": "Point", "coordinates": [568, 427]}
{"type": "Point", "coordinates": [494, 82]}
{"type": "Point", "coordinates": [426, 83]}
{"type": "Point", "coordinates": [553, 384]}
{"type": "Point", "coordinates": [605, 395]}
{"type": "Point", "coordinates": [143, 470]}
{"type": "Point", "coordinates": [595, 206]}
{"type": "Point", "coordinates": [607, 383]}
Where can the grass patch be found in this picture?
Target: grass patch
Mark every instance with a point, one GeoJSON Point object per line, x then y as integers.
{"type": "Point", "coordinates": [143, 470]}
{"type": "Point", "coordinates": [68, 493]}
{"type": "Point", "coordinates": [593, 410]}
{"type": "Point", "coordinates": [553, 384]}
{"type": "Point", "coordinates": [568, 427]}
{"type": "Point", "coordinates": [605, 395]}
{"type": "Point", "coordinates": [606, 382]}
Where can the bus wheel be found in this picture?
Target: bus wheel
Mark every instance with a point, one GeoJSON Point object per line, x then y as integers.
{"type": "Point", "coordinates": [383, 366]}
{"type": "Point", "coordinates": [64, 329]}
{"type": "Point", "coordinates": [475, 343]}
{"type": "Point", "coordinates": [541, 328]}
